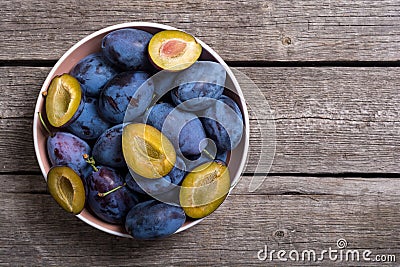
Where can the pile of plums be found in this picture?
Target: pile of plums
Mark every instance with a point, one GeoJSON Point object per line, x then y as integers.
{"type": "Point", "coordinates": [140, 133]}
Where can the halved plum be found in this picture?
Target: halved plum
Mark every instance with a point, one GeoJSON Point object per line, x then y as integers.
{"type": "Point", "coordinates": [64, 100]}
{"type": "Point", "coordinates": [67, 188]}
{"type": "Point", "coordinates": [204, 189]}
{"type": "Point", "coordinates": [147, 151]}
{"type": "Point", "coordinates": [173, 50]}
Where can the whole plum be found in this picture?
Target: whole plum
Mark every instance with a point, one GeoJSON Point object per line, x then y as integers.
{"type": "Point", "coordinates": [127, 49]}
{"type": "Point", "coordinates": [153, 219]}
{"type": "Point", "coordinates": [93, 72]}
{"type": "Point", "coordinates": [108, 148]}
{"type": "Point", "coordinates": [89, 125]}
{"type": "Point", "coordinates": [127, 96]}
{"type": "Point", "coordinates": [114, 206]}
{"type": "Point", "coordinates": [182, 128]}
{"type": "Point", "coordinates": [66, 149]}
{"type": "Point", "coordinates": [223, 123]}
{"type": "Point", "coordinates": [203, 81]}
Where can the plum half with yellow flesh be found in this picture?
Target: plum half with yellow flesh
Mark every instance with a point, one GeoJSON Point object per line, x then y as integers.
{"type": "Point", "coordinates": [173, 50]}
{"type": "Point", "coordinates": [67, 188]}
{"type": "Point", "coordinates": [204, 189]}
{"type": "Point", "coordinates": [147, 151]}
{"type": "Point", "coordinates": [63, 100]}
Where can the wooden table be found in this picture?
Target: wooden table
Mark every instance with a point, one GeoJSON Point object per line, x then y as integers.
{"type": "Point", "coordinates": [329, 70]}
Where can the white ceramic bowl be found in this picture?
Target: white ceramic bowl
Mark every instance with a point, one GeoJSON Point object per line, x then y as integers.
{"type": "Point", "coordinates": [91, 44]}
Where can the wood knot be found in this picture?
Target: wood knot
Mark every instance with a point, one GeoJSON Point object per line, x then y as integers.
{"type": "Point", "coordinates": [279, 234]}
{"type": "Point", "coordinates": [286, 41]}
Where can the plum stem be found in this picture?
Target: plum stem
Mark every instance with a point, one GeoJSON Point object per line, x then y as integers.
{"type": "Point", "coordinates": [112, 190]}
{"type": "Point", "coordinates": [91, 161]}
{"type": "Point", "coordinates": [44, 124]}
{"type": "Point", "coordinates": [208, 154]}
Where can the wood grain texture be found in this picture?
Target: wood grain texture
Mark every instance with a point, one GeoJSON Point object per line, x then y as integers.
{"type": "Point", "coordinates": [35, 231]}
{"type": "Point", "coordinates": [335, 172]}
{"type": "Point", "coordinates": [273, 185]}
{"type": "Point", "coordinates": [254, 30]}
{"type": "Point", "coordinates": [328, 120]}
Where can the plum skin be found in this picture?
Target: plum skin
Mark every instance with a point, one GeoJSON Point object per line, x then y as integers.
{"type": "Point", "coordinates": [108, 148]}
{"type": "Point", "coordinates": [127, 49]}
{"type": "Point", "coordinates": [124, 95]}
{"type": "Point", "coordinates": [189, 139]}
{"type": "Point", "coordinates": [89, 125]}
{"type": "Point", "coordinates": [66, 149]}
{"type": "Point", "coordinates": [196, 87]}
{"type": "Point", "coordinates": [153, 219]}
{"type": "Point", "coordinates": [224, 112]}
{"type": "Point", "coordinates": [220, 156]}
{"type": "Point", "coordinates": [93, 72]}
{"type": "Point", "coordinates": [198, 92]}
{"type": "Point", "coordinates": [158, 186]}
{"type": "Point", "coordinates": [113, 207]}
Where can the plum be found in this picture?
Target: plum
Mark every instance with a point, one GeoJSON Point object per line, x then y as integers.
{"type": "Point", "coordinates": [204, 189]}
{"type": "Point", "coordinates": [89, 125]}
{"type": "Point", "coordinates": [203, 81]}
{"type": "Point", "coordinates": [67, 188]}
{"type": "Point", "coordinates": [66, 149]}
{"type": "Point", "coordinates": [153, 219]}
{"type": "Point", "coordinates": [207, 156]}
{"type": "Point", "coordinates": [93, 72]}
{"type": "Point", "coordinates": [147, 151]}
{"type": "Point", "coordinates": [127, 96]}
{"type": "Point", "coordinates": [64, 100]}
{"type": "Point", "coordinates": [223, 123]}
{"type": "Point", "coordinates": [108, 198]}
{"type": "Point", "coordinates": [158, 186]}
{"type": "Point", "coordinates": [183, 129]}
{"type": "Point", "coordinates": [173, 50]}
{"type": "Point", "coordinates": [108, 148]}
{"type": "Point", "coordinates": [127, 49]}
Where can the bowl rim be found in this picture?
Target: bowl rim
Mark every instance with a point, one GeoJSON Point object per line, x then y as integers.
{"type": "Point", "coordinates": [214, 54]}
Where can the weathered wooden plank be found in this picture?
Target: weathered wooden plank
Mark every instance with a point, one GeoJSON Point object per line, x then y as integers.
{"type": "Point", "coordinates": [16, 146]}
{"type": "Point", "coordinates": [35, 231]}
{"type": "Point", "coordinates": [327, 119]}
{"type": "Point", "coordinates": [23, 183]}
{"type": "Point", "coordinates": [326, 93]}
{"type": "Point", "coordinates": [350, 94]}
{"type": "Point", "coordinates": [323, 146]}
{"type": "Point", "coordinates": [20, 88]}
{"type": "Point", "coordinates": [238, 30]}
